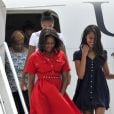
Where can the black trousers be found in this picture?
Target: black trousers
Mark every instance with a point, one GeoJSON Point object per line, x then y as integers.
{"type": "Point", "coordinates": [18, 101]}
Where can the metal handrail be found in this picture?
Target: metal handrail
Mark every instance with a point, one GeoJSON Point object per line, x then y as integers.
{"type": "Point", "coordinates": [15, 77]}
{"type": "Point", "coordinates": [2, 105]}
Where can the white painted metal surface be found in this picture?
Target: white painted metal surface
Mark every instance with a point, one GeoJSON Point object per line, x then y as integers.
{"type": "Point", "coordinates": [15, 77]}
{"type": "Point", "coordinates": [7, 105]}
{"type": "Point", "coordinates": [74, 16]}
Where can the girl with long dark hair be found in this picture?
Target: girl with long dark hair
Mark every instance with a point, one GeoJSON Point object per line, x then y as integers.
{"type": "Point", "coordinates": [92, 92]}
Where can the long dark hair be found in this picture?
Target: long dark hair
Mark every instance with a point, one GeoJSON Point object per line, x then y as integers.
{"type": "Point", "coordinates": [98, 48]}
{"type": "Point", "coordinates": [47, 16]}
{"type": "Point", "coordinates": [45, 33]}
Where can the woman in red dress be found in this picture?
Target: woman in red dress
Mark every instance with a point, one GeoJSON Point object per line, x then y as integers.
{"type": "Point", "coordinates": [48, 94]}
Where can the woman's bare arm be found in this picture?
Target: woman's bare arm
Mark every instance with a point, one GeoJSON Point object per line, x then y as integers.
{"type": "Point", "coordinates": [30, 84]}
{"type": "Point", "coordinates": [80, 67]}
{"type": "Point", "coordinates": [30, 51]}
{"type": "Point", "coordinates": [107, 72]}
{"type": "Point", "coordinates": [64, 82]}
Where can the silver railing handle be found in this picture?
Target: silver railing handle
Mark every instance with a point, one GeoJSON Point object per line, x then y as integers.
{"type": "Point", "coordinates": [2, 105]}
{"type": "Point", "coordinates": [15, 77]}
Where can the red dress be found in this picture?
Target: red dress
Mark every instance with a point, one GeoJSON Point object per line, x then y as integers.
{"type": "Point", "coordinates": [46, 97]}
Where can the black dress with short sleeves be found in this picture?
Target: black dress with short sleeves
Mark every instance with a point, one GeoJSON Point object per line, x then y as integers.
{"type": "Point", "coordinates": [92, 91]}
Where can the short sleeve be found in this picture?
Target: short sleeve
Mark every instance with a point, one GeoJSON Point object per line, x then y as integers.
{"type": "Point", "coordinates": [30, 66]}
{"type": "Point", "coordinates": [62, 38]}
{"type": "Point", "coordinates": [34, 39]}
{"type": "Point", "coordinates": [66, 66]}
{"type": "Point", "coordinates": [77, 55]}
{"type": "Point", "coordinates": [105, 54]}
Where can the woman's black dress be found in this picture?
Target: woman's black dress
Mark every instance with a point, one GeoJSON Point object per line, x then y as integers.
{"type": "Point", "coordinates": [92, 91]}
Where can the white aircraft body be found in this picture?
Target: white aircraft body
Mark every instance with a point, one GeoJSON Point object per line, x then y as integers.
{"type": "Point", "coordinates": [72, 16]}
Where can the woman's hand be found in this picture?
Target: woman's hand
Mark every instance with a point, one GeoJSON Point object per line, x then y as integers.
{"type": "Point", "coordinates": [23, 85]}
{"type": "Point", "coordinates": [63, 92]}
{"type": "Point", "coordinates": [23, 82]}
{"type": "Point", "coordinates": [85, 50]}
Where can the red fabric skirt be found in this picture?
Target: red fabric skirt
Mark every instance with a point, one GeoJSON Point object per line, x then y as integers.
{"type": "Point", "coordinates": [47, 99]}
